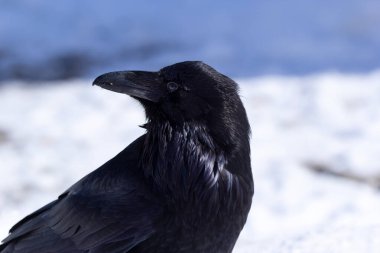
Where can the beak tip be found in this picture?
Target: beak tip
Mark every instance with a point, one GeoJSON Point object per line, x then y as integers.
{"type": "Point", "coordinates": [96, 81]}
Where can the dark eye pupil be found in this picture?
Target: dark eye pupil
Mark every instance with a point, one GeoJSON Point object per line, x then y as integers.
{"type": "Point", "coordinates": [172, 86]}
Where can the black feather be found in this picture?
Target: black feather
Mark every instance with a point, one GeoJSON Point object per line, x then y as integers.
{"type": "Point", "coordinates": [184, 186]}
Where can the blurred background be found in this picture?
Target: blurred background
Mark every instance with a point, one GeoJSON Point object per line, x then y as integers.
{"type": "Point", "coordinates": [309, 73]}
{"type": "Point", "coordinates": [58, 40]}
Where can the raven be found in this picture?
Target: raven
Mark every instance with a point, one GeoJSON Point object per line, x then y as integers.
{"type": "Point", "coordinates": [184, 186]}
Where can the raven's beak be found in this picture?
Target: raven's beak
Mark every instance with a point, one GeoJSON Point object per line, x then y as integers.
{"type": "Point", "coordinates": [139, 84]}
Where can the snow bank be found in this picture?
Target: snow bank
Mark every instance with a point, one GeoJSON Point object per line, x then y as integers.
{"type": "Point", "coordinates": [52, 135]}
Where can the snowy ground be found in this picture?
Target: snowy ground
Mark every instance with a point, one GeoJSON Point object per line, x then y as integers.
{"type": "Point", "coordinates": [52, 135]}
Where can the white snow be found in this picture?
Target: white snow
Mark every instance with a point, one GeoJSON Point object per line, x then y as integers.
{"type": "Point", "coordinates": [52, 135]}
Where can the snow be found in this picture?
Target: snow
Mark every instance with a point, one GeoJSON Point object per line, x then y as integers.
{"type": "Point", "coordinates": [53, 134]}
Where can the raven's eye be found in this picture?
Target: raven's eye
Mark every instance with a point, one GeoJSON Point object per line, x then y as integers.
{"type": "Point", "coordinates": [172, 86]}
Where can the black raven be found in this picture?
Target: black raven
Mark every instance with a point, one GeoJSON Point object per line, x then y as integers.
{"type": "Point", "coordinates": [184, 186]}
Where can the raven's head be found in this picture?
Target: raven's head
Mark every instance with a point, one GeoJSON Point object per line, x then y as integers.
{"type": "Point", "coordinates": [186, 92]}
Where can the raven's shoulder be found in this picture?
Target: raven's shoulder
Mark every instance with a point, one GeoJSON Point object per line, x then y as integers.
{"type": "Point", "coordinates": [111, 207]}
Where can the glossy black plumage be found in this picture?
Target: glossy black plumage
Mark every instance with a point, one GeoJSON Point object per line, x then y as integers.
{"type": "Point", "coordinates": [184, 186]}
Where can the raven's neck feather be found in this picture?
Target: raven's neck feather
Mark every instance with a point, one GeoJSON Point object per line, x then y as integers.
{"type": "Point", "coordinates": [184, 159]}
